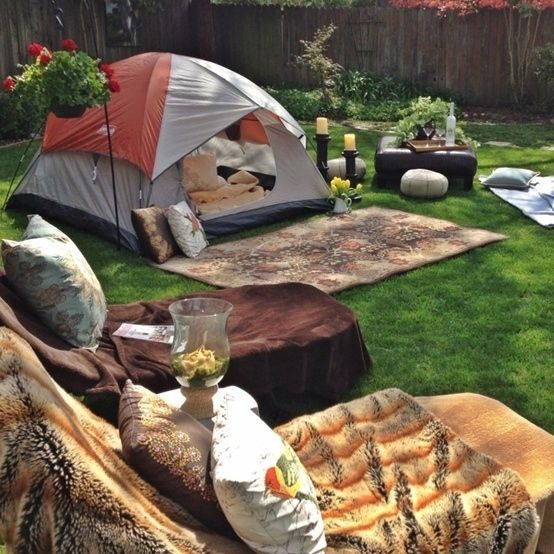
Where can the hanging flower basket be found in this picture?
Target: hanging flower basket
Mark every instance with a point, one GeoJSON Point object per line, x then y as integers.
{"type": "Point", "coordinates": [66, 112]}
{"type": "Point", "coordinates": [66, 81]}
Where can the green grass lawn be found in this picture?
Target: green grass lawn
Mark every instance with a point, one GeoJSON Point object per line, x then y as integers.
{"type": "Point", "coordinates": [480, 322]}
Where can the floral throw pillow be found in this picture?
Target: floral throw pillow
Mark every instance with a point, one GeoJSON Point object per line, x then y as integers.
{"type": "Point", "coordinates": [186, 229]}
{"type": "Point", "coordinates": [155, 238]}
{"type": "Point", "coordinates": [170, 450]}
{"type": "Point", "coordinates": [262, 487]}
{"type": "Point", "coordinates": [51, 275]}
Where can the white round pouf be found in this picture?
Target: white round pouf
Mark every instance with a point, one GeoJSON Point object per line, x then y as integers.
{"type": "Point", "coordinates": [423, 183]}
{"type": "Point", "coordinates": [337, 168]}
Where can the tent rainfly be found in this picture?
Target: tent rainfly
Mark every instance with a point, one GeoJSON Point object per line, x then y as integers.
{"type": "Point", "coordinates": [170, 106]}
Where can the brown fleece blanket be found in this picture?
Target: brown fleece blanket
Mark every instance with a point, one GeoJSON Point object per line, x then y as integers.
{"type": "Point", "coordinates": [290, 337]}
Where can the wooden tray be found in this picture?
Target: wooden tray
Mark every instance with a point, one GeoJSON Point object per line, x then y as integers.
{"type": "Point", "coordinates": [434, 145]}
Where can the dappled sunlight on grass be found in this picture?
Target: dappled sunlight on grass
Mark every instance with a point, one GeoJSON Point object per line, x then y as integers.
{"type": "Point", "coordinates": [477, 322]}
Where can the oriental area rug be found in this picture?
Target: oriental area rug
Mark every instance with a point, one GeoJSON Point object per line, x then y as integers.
{"type": "Point", "coordinates": [333, 253]}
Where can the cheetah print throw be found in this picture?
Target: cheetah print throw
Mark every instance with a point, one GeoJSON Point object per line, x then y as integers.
{"type": "Point", "coordinates": [392, 479]}
{"type": "Point", "coordinates": [64, 487]}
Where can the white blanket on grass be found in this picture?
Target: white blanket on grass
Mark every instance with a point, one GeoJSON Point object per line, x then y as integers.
{"type": "Point", "coordinates": [536, 201]}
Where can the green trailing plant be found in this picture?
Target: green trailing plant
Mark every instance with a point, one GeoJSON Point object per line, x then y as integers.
{"type": "Point", "coordinates": [421, 111]}
{"type": "Point", "coordinates": [322, 69]}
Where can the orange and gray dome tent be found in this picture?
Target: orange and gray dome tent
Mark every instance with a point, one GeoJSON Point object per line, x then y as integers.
{"type": "Point", "coordinates": [170, 106]}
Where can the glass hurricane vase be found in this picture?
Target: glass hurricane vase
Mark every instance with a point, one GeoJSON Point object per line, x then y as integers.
{"type": "Point", "coordinates": [200, 350]}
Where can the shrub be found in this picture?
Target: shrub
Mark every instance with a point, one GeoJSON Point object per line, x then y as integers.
{"type": "Point", "coordinates": [322, 68]}
{"type": "Point", "coordinates": [302, 104]}
{"type": "Point", "coordinates": [366, 87]}
{"type": "Point", "coordinates": [18, 121]}
{"type": "Point", "coordinates": [544, 70]}
{"type": "Point", "coordinates": [387, 110]}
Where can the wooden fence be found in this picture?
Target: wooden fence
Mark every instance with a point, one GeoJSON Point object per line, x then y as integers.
{"type": "Point", "coordinates": [24, 21]}
{"type": "Point", "coordinates": [467, 55]}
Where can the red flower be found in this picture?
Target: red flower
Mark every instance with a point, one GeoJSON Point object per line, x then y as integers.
{"type": "Point", "coordinates": [9, 84]}
{"type": "Point", "coordinates": [107, 69]}
{"type": "Point", "coordinates": [35, 48]}
{"type": "Point", "coordinates": [45, 58]}
{"type": "Point", "coordinates": [113, 85]}
{"type": "Point", "coordinates": [69, 44]}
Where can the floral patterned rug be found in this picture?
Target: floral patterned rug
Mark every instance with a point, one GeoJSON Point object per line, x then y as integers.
{"type": "Point", "coordinates": [333, 253]}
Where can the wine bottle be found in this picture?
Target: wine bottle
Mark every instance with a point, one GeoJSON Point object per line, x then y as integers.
{"type": "Point", "coordinates": [451, 127]}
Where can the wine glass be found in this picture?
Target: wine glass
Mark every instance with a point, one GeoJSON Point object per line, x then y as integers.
{"type": "Point", "coordinates": [429, 130]}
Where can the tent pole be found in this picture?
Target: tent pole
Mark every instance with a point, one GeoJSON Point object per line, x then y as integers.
{"type": "Point", "coordinates": [108, 130]}
{"type": "Point", "coordinates": [31, 140]}
{"type": "Point", "coordinates": [109, 135]}
{"type": "Point", "coordinates": [58, 18]}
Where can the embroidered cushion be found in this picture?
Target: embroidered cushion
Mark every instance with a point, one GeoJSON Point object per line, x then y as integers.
{"type": "Point", "coordinates": [52, 276]}
{"type": "Point", "coordinates": [186, 229]}
{"type": "Point", "coordinates": [261, 485]}
{"type": "Point", "coordinates": [170, 449]}
{"type": "Point", "coordinates": [423, 183]}
{"type": "Point", "coordinates": [199, 172]}
{"type": "Point", "coordinates": [510, 177]}
{"type": "Point", "coordinates": [156, 240]}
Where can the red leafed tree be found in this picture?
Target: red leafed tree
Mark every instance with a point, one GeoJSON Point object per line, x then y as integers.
{"type": "Point", "coordinates": [521, 17]}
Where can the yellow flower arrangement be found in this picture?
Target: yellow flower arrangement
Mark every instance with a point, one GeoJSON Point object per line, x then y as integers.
{"type": "Point", "coordinates": [341, 188]}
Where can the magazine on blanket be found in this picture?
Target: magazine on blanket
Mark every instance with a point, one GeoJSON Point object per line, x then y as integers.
{"type": "Point", "coordinates": [154, 333]}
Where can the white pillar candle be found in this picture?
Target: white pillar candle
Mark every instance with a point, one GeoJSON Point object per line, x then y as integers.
{"type": "Point", "coordinates": [321, 126]}
{"type": "Point", "coordinates": [350, 141]}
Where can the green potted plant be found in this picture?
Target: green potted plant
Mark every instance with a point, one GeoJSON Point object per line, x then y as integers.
{"type": "Point", "coordinates": [421, 113]}
{"type": "Point", "coordinates": [65, 81]}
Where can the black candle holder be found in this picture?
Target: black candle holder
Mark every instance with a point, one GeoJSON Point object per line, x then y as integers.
{"type": "Point", "coordinates": [322, 142]}
{"type": "Point", "coordinates": [350, 161]}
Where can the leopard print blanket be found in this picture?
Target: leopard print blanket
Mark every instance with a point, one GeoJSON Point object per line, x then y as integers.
{"type": "Point", "coordinates": [64, 487]}
{"type": "Point", "coordinates": [393, 479]}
